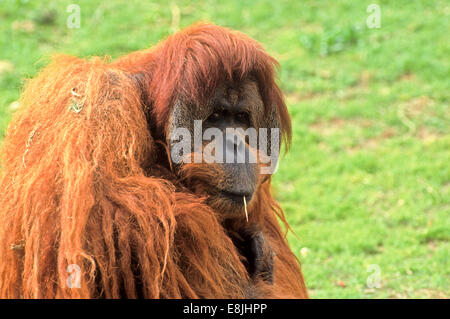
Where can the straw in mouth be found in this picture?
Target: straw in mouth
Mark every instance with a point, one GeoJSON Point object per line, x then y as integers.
{"type": "Point", "coordinates": [245, 209]}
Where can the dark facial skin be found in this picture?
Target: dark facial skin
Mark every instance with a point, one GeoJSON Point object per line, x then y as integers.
{"type": "Point", "coordinates": [230, 109]}
{"type": "Point", "coordinates": [234, 105]}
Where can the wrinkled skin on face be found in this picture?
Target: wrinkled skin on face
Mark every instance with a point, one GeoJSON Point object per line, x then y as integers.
{"type": "Point", "coordinates": [238, 106]}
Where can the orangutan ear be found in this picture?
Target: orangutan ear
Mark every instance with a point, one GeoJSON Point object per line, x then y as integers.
{"type": "Point", "coordinates": [141, 82]}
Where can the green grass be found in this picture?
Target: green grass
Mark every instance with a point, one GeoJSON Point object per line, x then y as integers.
{"type": "Point", "coordinates": [367, 180]}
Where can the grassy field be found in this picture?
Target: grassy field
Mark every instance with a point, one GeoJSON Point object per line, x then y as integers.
{"type": "Point", "coordinates": [367, 180]}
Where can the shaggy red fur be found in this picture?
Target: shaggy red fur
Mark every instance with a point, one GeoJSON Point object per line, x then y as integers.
{"type": "Point", "coordinates": [81, 182]}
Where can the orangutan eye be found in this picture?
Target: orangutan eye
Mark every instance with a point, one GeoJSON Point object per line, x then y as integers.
{"type": "Point", "coordinates": [243, 118]}
{"type": "Point", "coordinates": [214, 117]}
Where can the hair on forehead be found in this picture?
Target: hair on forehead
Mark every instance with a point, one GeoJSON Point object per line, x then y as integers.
{"type": "Point", "coordinates": [192, 63]}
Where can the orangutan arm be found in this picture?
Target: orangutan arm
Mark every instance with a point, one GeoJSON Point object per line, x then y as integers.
{"type": "Point", "coordinates": [256, 252]}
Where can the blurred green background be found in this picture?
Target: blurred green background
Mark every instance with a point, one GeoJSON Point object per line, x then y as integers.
{"type": "Point", "coordinates": [367, 181]}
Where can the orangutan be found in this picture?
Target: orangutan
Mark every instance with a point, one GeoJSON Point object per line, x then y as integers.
{"type": "Point", "coordinates": [93, 204]}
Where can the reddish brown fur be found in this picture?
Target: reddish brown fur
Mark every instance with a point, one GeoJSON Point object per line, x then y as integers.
{"type": "Point", "coordinates": [87, 188]}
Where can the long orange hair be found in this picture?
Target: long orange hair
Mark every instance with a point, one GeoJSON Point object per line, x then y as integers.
{"type": "Point", "coordinates": [82, 184]}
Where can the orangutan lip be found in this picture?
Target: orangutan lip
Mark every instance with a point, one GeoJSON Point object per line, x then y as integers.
{"type": "Point", "coordinates": [238, 197]}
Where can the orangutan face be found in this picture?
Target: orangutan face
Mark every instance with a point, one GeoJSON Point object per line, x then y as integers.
{"type": "Point", "coordinates": [226, 135]}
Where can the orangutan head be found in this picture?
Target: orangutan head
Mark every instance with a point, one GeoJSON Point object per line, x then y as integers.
{"type": "Point", "coordinates": [224, 136]}
{"type": "Point", "coordinates": [219, 107]}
